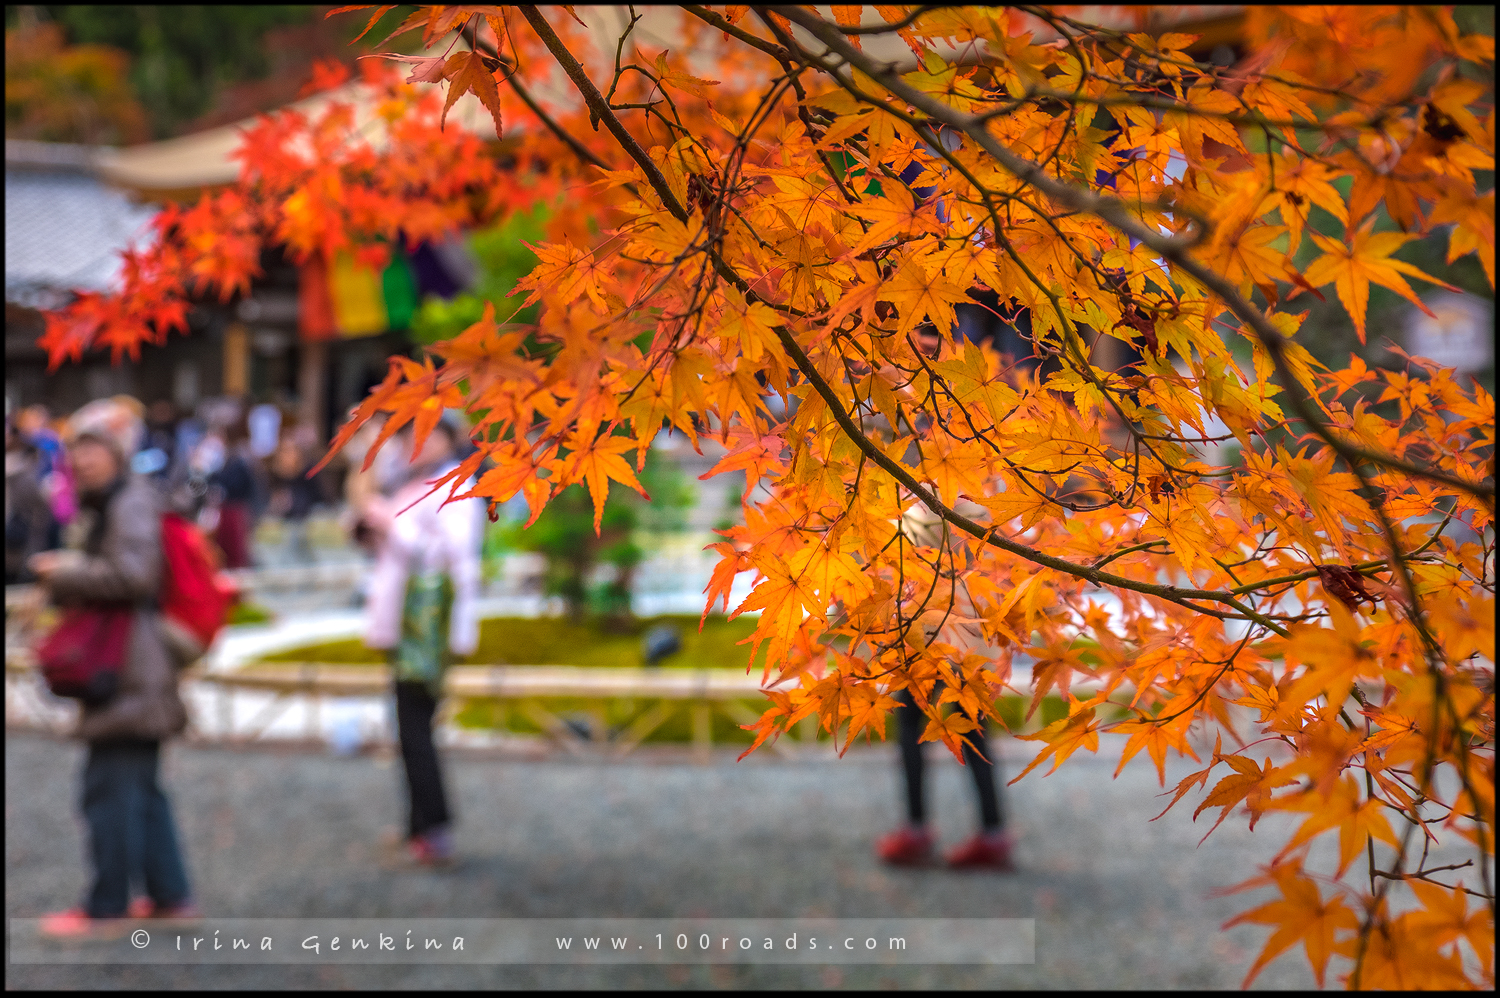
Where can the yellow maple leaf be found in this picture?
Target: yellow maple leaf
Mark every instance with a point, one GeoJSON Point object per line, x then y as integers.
{"type": "Point", "coordinates": [895, 213]}
{"type": "Point", "coordinates": [1301, 914]}
{"type": "Point", "coordinates": [1351, 269]}
{"type": "Point", "coordinates": [1063, 737]}
{"type": "Point", "coordinates": [1029, 505]}
{"type": "Point", "coordinates": [920, 296]}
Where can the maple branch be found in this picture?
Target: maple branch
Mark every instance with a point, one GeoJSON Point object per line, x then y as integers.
{"type": "Point", "coordinates": [600, 109]}
{"type": "Point", "coordinates": [1247, 119]}
{"type": "Point", "coordinates": [1363, 567]}
{"type": "Point", "coordinates": [614, 83]}
{"type": "Point", "coordinates": [991, 535]}
{"type": "Point", "coordinates": [708, 16]}
{"type": "Point", "coordinates": [1096, 31]}
{"type": "Point", "coordinates": [1423, 877]}
{"type": "Point", "coordinates": [512, 72]}
{"type": "Point", "coordinates": [1442, 698]}
{"type": "Point", "coordinates": [1130, 550]}
{"type": "Point", "coordinates": [1117, 213]}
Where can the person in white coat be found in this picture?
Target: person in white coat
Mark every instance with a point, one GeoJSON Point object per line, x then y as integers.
{"type": "Point", "coordinates": [421, 611]}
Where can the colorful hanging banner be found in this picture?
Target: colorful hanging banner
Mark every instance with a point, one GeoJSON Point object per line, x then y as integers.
{"type": "Point", "coordinates": [350, 300]}
{"type": "Point", "coordinates": [314, 302]}
{"type": "Point", "coordinates": [432, 274]}
{"type": "Point", "coordinates": [399, 286]}
{"type": "Point", "coordinates": [358, 298]}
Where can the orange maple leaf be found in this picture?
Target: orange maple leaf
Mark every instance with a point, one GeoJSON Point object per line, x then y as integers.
{"type": "Point", "coordinates": [466, 73]}
{"type": "Point", "coordinates": [897, 213]}
{"type": "Point", "coordinates": [1301, 914]}
{"type": "Point", "coordinates": [595, 462]}
{"type": "Point", "coordinates": [1351, 269]}
{"type": "Point", "coordinates": [1356, 822]}
{"type": "Point", "coordinates": [1155, 737]}
{"type": "Point", "coordinates": [678, 80]}
{"type": "Point", "coordinates": [730, 564]}
{"type": "Point", "coordinates": [1249, 783]}
{"type": "Point", "coordinates": [1064, 737]}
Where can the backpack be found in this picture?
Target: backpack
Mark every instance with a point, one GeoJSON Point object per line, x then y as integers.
{"type": "Point", "coordinates": [195, 598]}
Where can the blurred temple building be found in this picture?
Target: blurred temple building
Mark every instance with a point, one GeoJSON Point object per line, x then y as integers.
{"type": "Point", "coordinates": [312, 338]}
{"type": "Point", "coordinates": [64, 228]}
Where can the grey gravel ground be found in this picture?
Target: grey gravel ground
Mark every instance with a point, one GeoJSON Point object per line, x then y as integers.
{"type": "Point", "coordinates": [1120, 902]}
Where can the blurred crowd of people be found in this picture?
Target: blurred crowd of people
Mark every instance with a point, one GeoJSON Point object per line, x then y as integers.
{"type": "Point", "coordinates": [228, 462]}
{"type": "Point", "coordinates": [89, 503]}
{"type": "Point", "coordinates": [92, 509]}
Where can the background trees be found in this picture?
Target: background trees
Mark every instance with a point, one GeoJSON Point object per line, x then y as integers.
{"type": "Point", "coordinates": [60, 93]}
{"type": "Point", "coordinates": [182, 64]}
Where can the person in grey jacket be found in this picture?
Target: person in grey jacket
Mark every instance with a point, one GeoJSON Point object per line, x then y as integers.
{"type": "Point", "coordinates": [131, 830]}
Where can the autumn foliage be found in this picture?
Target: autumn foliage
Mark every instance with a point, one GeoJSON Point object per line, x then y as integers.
{"type": "Point", "coordinates": [1220, 533]}
{"type": "Point", "coordinates": [55, 92]}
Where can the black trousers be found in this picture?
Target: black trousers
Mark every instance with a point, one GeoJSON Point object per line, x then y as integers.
{"type": "Point", "coordinates": [132, 836]}
{"type": "Point", "coordinates": [415, 707]}
{"type": "Point", "coordinates": [980, 764]}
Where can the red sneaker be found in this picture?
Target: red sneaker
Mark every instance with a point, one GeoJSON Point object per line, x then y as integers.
{"type": "Point", "coordinates": [909, 846]}
{"type": "Point", "coordinates": [185, 913]}
{"type": "Point", "coordinates": [987, 850]}
{"type": "Point", "coordinates": [75, 923]}
{"type": "Point", "coordinates": [435, 850]}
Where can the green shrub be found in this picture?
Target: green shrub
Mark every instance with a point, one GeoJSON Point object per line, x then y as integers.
{"type": "Point", "coordinates": [249, 613]}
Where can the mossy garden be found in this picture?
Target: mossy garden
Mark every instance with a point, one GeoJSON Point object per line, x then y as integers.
{"type": "Point", "coordinates": [601, 643]}
{"type": "Point", "coordinates": [590, 643]}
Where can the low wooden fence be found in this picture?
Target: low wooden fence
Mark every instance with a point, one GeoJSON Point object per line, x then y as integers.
{"type": "Point", "coordinates": [655, 696]}
{"type": "Point", "coordinates": [288, 579]}
{"type": "Point", "coordinates": [649, 698]}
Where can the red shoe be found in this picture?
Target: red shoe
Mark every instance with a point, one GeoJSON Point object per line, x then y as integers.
{"type": "Point", "coordinates": [434, 849]}
{"type": "Point", "coordinates": [909, 846]}
{"type": "Point", "coordinates": [987, 850]}
{"type": "Point", "coordinates": [75, 923]}
{"type": "Point", "coordinates": [185, 913]}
